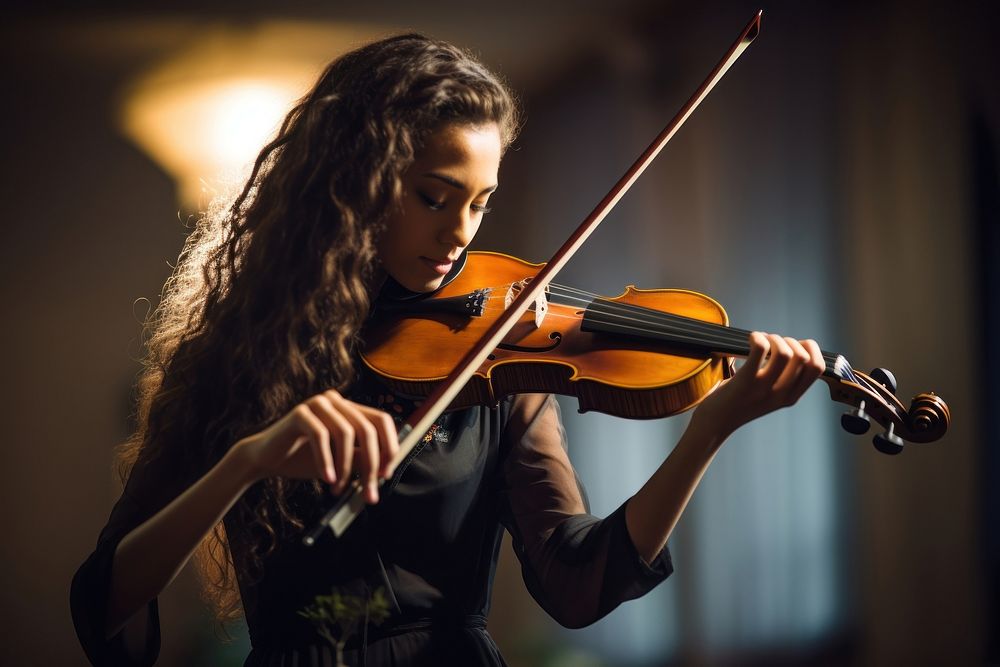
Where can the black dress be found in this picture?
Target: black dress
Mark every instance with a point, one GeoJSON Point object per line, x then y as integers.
{"type": "Point", "coordinates": [432, 543]}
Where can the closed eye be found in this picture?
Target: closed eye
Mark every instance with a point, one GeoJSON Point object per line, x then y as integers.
{"type": "Point", "coordinates": [431, 203]}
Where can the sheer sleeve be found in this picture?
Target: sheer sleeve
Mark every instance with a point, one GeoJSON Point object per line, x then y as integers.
{"type": "Point", "coordinates": [578, 567]}
{"type": "Point", "coordinates": [151, 485]}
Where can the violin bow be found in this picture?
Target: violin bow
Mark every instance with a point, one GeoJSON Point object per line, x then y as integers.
{"type": "Point", "coordinates": [350, 504]}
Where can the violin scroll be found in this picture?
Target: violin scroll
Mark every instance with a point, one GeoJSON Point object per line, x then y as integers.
{"type": "Point", "coordinates": [928, 417]}
{"type": "Point", "coordinates": [872, 397]}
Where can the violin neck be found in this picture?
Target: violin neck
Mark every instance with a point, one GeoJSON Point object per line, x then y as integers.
{"type": "Point", "coordinates": [684, 334]}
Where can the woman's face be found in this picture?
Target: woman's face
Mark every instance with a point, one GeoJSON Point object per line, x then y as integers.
{"type": "Point", "coordinates": [445, 192]}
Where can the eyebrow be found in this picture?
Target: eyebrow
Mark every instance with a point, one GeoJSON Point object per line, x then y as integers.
{"type": "Point", "coordinates": [455, 183]}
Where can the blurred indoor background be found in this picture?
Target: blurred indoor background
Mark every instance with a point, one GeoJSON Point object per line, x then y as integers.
{"type": "Point", "coordinates": [841, 183]}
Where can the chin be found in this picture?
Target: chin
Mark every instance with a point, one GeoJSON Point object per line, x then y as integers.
{"type": "Point", "coordinates": [422, 284]}
{"type": "Point", "coordinates": [431, 285]}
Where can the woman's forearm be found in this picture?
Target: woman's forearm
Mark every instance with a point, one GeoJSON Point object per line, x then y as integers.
{"type": "Point", "coordinates": [314, 440]}
{"type": "Point", "coordinates": [149, 557]}
{"type": "Point", "coordinates": [655, 509]}
{"type": "Point", "coordinates": [776, 373]}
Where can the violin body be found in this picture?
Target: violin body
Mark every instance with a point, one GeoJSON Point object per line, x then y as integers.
{"type": "Point", "coordinates": [644, 354]}
{"type": "Point", "coordinates": [414, 351]}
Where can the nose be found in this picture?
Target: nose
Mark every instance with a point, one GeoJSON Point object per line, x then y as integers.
{"type": "Point", "coordinates": [460, 229]}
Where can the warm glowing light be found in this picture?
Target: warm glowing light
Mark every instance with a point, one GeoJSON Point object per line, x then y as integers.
{"type": "Point", "coordinates": [242, 116]}
{"type": "Point", "coordinates": [209, 131]}
{"type": "Point", "coordinates": [205, 114]}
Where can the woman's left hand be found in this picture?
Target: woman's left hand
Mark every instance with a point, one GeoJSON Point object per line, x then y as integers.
{"type": "Point", "coordinates": [776, 373]}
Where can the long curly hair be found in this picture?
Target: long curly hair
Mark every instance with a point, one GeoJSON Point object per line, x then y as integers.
{"type": "Point", "coordinates": [265, 304]}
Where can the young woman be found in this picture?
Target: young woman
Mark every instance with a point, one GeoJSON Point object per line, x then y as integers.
{"type": "Point", "coordinates": [253, 406]}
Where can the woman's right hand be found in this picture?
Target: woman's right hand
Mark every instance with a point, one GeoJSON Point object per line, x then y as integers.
{"type": "Point", "coordinates": [326, 437]}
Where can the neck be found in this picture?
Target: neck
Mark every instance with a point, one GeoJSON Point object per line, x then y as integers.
{"type": "Point", "coordinates": [376, 282]}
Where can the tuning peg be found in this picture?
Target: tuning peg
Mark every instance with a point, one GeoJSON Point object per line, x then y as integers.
{"type": "Point", "coordinates": [856, 421]}
{"type": "Point", "coordinates": [888, 442]}
{"type": "Point", "coordinates": [885, 378]}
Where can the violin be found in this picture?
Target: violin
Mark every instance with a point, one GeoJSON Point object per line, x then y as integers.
{"type": "Point", "coordinates": [680, 344]}
{"type": "Point", "coordinates": [644, 354]}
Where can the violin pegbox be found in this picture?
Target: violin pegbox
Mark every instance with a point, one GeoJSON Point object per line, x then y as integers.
{"type": "Point", "coordinates": [872, 396]}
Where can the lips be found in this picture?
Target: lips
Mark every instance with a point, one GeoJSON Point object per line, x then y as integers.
{"type": "Point", "coordinates": [441, 266]}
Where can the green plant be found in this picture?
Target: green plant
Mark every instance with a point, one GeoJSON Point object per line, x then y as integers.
{"type": "Point", "coordinates": [338, 615]}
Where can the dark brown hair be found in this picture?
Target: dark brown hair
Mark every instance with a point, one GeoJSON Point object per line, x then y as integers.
{"type": "Point", "coordinates": [264, 307]}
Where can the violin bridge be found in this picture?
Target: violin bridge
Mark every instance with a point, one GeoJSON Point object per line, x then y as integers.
{"type": "Point", "coordinates": [541, 308]}
{"type": "Point", "coordinates": [541, 305]}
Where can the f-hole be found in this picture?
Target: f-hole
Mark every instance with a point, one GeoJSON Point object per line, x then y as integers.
{"type": "Point", "coordinates": [555, 337]}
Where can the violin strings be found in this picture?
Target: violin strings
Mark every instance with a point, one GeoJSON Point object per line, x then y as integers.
{"type": "Point", "coordinates": [676, 326]}
{"type": "Point", "coordinates": [681, 339]}
{"type": "Point", "coordinates": [687, 330]}
{"type": "Point", "coordinates": [683, 330]}
{"type": "Point", "coordinates": [738, 335]}
{"type": "Point", "coordinates": [709, 333]}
